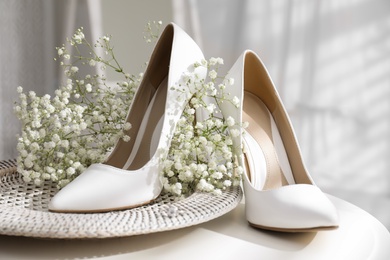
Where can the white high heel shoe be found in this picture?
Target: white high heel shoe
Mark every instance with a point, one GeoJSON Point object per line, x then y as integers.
{"type": "Point", "coordinates": [279, 193]}
{"type": "Point", "coordinates": [131, 175]}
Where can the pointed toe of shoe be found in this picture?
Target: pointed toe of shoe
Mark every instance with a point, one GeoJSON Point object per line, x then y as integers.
{"type": "Point", "coordinates": [84, 194]}
{"type": "Point", "coordinates": [298, 207]}
{"type": "Point", "coordinates": [313, 210]}
{"type": "Point", "coordinates": [63, 202]}
{"type": "Point", "coordinates": [103, 188]}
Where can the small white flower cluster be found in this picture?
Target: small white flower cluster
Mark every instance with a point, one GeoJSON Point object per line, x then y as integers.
{"type": "Point", "coordinates": [201, 153]}
{"type": "Point", "coordinates": [151, 32]}
{"type": "Point", "coordinates": [63, 135]}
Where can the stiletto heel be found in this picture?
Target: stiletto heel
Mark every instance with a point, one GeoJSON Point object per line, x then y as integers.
{"type": "Point", "coordinates": [130, 177]}
{"type": "Point", "coordinates": [279, 193]}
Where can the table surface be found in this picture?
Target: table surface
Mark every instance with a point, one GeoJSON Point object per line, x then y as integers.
{"type": "Point", "coordinates": [360, 236]}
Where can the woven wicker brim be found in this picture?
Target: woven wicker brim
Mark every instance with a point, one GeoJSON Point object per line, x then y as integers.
{"type": "Point", "coordinates": [24, 212]}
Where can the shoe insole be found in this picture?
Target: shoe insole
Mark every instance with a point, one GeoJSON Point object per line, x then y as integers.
{"type": "Point", "coordinates": [266, 160]}
{"type": "Point", "coordinates": [150, 129]}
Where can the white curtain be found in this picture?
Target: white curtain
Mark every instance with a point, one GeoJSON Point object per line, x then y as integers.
{"type": "Point", "coordinates": [29, 32]}
{"type": "Point", "coordinates": [330, 60]}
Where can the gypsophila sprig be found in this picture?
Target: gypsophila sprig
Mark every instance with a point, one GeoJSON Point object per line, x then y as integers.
{"type": "Point", "coordinates": [64, 134]}
{"type": "Point", "coordinates": [201, 153]}
{"type": "Point", "coordinates": [151, 31]}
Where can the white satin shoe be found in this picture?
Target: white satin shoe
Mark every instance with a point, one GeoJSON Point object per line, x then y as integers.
{"type": "Point", "coordinates": [279, 193]}
{"type": "Point", "coordinates": [131, 175]}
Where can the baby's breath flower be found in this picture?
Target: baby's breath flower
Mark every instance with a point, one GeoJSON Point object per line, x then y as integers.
{"type": "Point", "coordinates": [236, 101]}
{"type": "Point", "coordinates": [200, 156]}
{"type": "Point", "coordinates": [70, 171]}
{"type": "Point", "coordinates": [151, 31]}
{"type": "Point", "coordinates": [227, 183]}
{"type": "Point", "coordinates": [127, 126]}
{"type": "Point", "coordinates": [62, 135]}
{"type": "Point", "coordinates": [235, 132]}
{"type": "Point", "coordinates": [191, 111]}
{"type": "Point", "coordinates": [210, 108]}
{"type": "Point", "coordinates": [78, 37]}
{"type": "Point", "coordinates": [92, 63]}
{"type": "Point", "coordinates": [215, 61]}
{"type": "Point", "coordinates": [230, 121]}
{"type": "Point", "coordinates": [213, 74]}
{"type": "Point", "coordinates": [88, 87]}
{"type": "Point", "coordinates": [216, 137]}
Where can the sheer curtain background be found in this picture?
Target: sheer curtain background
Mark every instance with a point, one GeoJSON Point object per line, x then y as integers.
{"type": "Point", "coordinates": [29, 32]}
{"type": "Point", "coordinates": [330, 62]}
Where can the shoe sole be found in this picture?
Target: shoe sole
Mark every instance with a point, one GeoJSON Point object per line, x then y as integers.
{"type": "Point", "coordinates": [104, 210]}
{"type": "Point", "coordinates": [293, 230]}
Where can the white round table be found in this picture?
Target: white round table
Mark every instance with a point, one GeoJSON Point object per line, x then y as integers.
{"type": "Point", "coordinates": [360, 236]}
